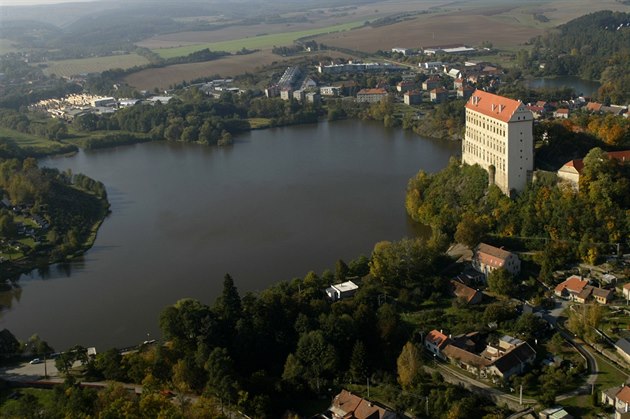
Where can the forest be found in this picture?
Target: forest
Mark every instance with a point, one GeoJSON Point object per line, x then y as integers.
{"type": "Point", "coordinates": [594, 47]}
{"type": "Point", "coordinates": [71, 206]}
{"type": "Point", "coordinates": [566, 225]}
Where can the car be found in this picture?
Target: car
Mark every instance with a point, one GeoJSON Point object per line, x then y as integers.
{"type": "Point", "coordinates": [36, 361]}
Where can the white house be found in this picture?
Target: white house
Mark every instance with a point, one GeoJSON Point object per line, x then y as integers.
{"type": "Point", "coordinates": [340, 291]}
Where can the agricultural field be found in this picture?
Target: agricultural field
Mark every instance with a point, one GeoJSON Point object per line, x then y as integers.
{"type": "Point", "coordinates": [68, 68]}
{"type": "Point", "coordinates": [6, 46]}
{"type": "Point", "coordinates": [255, 42]}
{"type": "Point", "coordinates": [506, 24]}
{"type": "Point", "coordinates": [224, 67]}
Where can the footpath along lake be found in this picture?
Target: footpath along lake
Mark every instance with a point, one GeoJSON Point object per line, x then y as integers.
{"type": "Point", "coordinates": [278, 203]}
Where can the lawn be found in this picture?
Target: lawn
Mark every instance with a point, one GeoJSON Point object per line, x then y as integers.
{"type": "Point", "coordinates": [255, 42]}
{"type": "Point", "coordinates": [66, 68]}
{"type": "Point", "coordinates": [259, 123]}
{"type": "Point", "coordinates": [44, 397]}
{"type": "Point", "coordinates": [34, 144]}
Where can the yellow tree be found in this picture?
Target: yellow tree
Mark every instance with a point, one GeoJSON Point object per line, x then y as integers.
{"type": "Point", "coordinates": [409, 365]}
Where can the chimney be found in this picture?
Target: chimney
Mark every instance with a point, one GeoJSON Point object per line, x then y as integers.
{"type": "Point", "coordinates": [493, 107]}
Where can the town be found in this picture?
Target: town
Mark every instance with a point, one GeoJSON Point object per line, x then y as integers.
{"type": "Point", "coordinates": [142, 160]}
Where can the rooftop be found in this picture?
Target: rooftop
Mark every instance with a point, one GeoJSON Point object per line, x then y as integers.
{"type": "Point", "coordinates": [494, 106]}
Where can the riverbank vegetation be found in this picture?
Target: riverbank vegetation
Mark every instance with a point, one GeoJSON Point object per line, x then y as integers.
{"type": "Point", "coordinates": [46, 215]}
{"type": "Point", "coordinates": [563, 223]}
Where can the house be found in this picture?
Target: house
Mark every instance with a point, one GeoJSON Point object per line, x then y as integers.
{"type": "Point", "coordinates": [465, 92]}
{"type": "Point", "coordinates": [468, 294]}
{"type": "Point", "coordinates": [514, 362]}
{"type": "Point", "coordinates": [412, 97]}
{"type": "Point", "coordinates": [286, 93]}
{"type": "Point", "coordinates": [403, 51]}
{"type": "Point", "coordinates": [346, 405]}
{"type": "Point", "coordinates": [313, 97]}
{"type": "Point", "coordinates": [405, 85]}
{"type": "Point", "coordinates": [467, 360]}
{"type": "Point", "coordinates": [603, 296]}
{"type": "Point", "coordinates": [435, 342]}
{"type": "Point", "coordinates": [619, 398]}
{"type": "Point", "coordinates": [299, 95]}
{"type": "Point", "coordinates": [329, 90]}
{"type": "Point", "coordinates": [556, 412]}
{"type": "Point", "coordinates": [594, 107]}
{"type": "Point", "coordinates": [570, 172]}
{"type": "Point", "coordinates": [487, 258]}
{"type": "Point", "coordinates": [431, 65]}
{"type": "Point", "coordinates": [499, 138]}
{"type": "Point", "coordinates": [623, 349]}
{"type": "Point", "coordinates": [431, 83]}
{"type": "Point", "coordinates": [371, 95]}
{"type": "Point", "coordinates": [571, 287]}
{"type": "Point", "coordinates": [439, 95]}
{"type": "Point", "coordinates": [458, 83]}
{"type": "Point", "coordinates": [340, 291]}
{"type": "Point", "coordinates": [455, 73]}
{"type": "Point", "coordinates": [561, 113]}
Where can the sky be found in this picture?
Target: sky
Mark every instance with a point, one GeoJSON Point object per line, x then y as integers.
{"type": "Point", "coordinates": [36, 2]}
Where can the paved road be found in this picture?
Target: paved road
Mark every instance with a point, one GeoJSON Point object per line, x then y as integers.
{"type": "Point", "coordinates": [26, 372]}
{"type": "Point", "coordinates": [485, 387]}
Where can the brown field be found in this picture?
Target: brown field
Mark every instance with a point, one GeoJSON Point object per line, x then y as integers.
{"type": "Point", "coordinates": [230, 66]}
{"type": "Point", "coordinates": [319, 18]}
{"type": "Point", "coordinates": [439, 30]}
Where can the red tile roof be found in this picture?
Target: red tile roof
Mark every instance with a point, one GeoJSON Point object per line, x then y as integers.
{"type": "Point", "coordinates": [463, 291]}
{"type": "Point", "coordinates": [372, 92]}
{"type": "Point", "coordinates": [594, 106]}
{"type": "Point", "coordinates": [577, 164]}
{"type": "Point", "coordinates": [490, 255]}
{"type": "Point", "coordinates": [497, 107]}
{"type": "Point", "coordinates": [624, 394]}
{"type": "Point", "coordinates": [573, 284]}
{"type": "Point", "coordinates": [436, 338]}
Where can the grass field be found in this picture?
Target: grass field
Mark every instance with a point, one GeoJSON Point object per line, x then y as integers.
{"type": "Point", "coordinates": [35, 144]}
{"type": "Point", "coordinates": [255, 42]}
{"type": "Point", "coordinates": [68, 68]}
{"type": "Point", "coordinates": [6, 46]}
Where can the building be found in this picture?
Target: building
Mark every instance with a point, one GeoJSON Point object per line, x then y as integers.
{"type": "Point", "coordinates": [299, 95]}
{"type": "Point", "coordinates": [431, 65]}
{"type": "Point", "coordinates": [431, 83]}
{"type": "Point", "coordinates": [438, 95]}
{"type": "Point", "coordinates": [487, 258]}
{"type": "Point", "coordinates": [448, 49]}
{"type": "Point", "coordinates": [435, 342]}
{"type": "Point", "coordinates": [346, 405]}
{"type": "Point", "coordinates": [571, 287]}
{"type": "Point", "coordinates": [561, 113]}
{"type": "Point", "coordinates": [272, 91]}
{"type": "Point", "coordinates": [469, 295]}
{"type": "Point", "coordinates": [341, 291]}
{"type": "Point", "coordinates": [403, 51]}
{"type": "Point", "coordinates": [619, 398]}
{"type": "Point", "coordinates": [286, 94]}
{"type": "Point", "coordinates": [405, 85]}
{"type": "Point", "coordinates": [623, 349]}
{"type": "Point", "coordinates": [556, 412]}
{"type": "Point", "coordinates": [626, 291]}
{"type": "Point", "coordinates": [329, 90]}
{"type": "Point", "coordinates": [499, 138]}
{"type": "Point", "coordinates": [371, 95]}
{"type": "Point", "coordinates": [571, 170]}
{"type": "Point", "coordinates": [412, 97]}
{"type": "Point", "coordinates": [465, 92]}
{"type": "Point", "coordinates": [314, 98]}
{"type": "Point", "coordinates": [514, 362]}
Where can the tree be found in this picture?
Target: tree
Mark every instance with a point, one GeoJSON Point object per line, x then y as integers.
{"type": "Point", "coordinates": [409, 365]}
{"type": "Point", "coordinates": [501, 282]}
{"type": "Point", "coordinates": [229, 304]}
{"type": "Point", "coordinates": [358, 362]}
{"type": "Point", "coordinates": [221, 375]}
{"type": "Point", "coordinates": [317, 356]}
{"type": "Point", "coordinates": [341, 270]}
{"type": "Point", "coordinates": [9, 345]}
{"type": "Point", "coordinates": [470, 230]}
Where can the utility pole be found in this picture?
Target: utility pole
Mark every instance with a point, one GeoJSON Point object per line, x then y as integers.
{"type": "Point", "coordinates": [520, 397]}
{"type": "Point", "coordinates": [426, 406]}
{"type": "Point", "coordinates": [368, 387]}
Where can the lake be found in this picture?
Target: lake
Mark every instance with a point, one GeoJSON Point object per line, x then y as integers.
{"type": "Point", "coordinates": [580, 86]}
{"type": "Point", "coordinates": [275, 205]}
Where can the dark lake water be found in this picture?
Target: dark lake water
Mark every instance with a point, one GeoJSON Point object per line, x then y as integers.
{"type": "Point", "coordinates": [277, 204]}
{"type": "Point", "coordinates": [580, 86]}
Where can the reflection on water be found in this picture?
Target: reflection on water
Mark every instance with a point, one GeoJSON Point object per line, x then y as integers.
{"type": "Point", "coordinates": [276, 205]}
